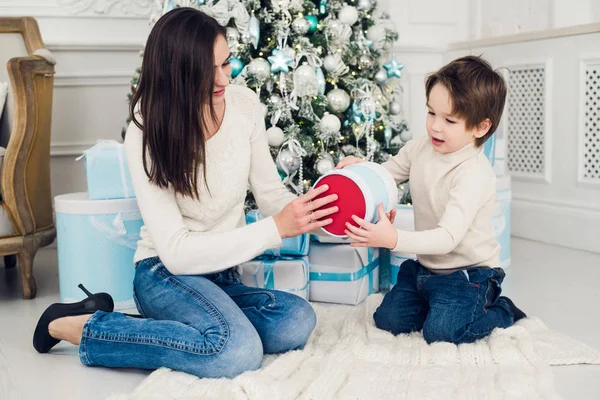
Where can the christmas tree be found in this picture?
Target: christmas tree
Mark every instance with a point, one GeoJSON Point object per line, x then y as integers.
{"type": "Point", "coordinates": [325, 76]}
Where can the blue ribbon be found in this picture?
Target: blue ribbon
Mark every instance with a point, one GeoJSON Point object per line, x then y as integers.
{"type": "Point", "coordinates": [350, 276]}
{"type": "Point", "coordinates": [267, 263]}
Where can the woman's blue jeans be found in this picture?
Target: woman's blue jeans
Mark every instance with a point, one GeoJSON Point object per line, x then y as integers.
{"type": "Point", "coordinates": [210, 326]}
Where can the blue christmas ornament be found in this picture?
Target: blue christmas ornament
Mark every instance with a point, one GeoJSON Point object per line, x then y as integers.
{"type": "Point", "coordinates": [280, 62]}
{"type": "Point", "coordinates": [254, 30]}
{"type": "Point", "coordinates": [313, 23]}
{"type": "Point", "coordinates": [321, 83]}
{"type": "Point", "coordinates": [393, 68]}
{"type": "Point", "coordinates": [323, 7]}
{"type": "Point", "coordinates": [236, 66]}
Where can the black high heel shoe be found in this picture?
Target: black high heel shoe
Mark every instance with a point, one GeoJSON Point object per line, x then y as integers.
{"type": "Point", "coordinates": [42, 341]}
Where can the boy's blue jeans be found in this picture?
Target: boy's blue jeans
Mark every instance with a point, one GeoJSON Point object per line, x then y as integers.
{"type": "Point", "coordinates": [458, 308]}
{"type": "Point", "coordinates": [210, 326]}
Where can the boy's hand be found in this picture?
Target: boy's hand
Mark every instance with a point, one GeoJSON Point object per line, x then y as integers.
{"type": "Point", "coordinates": [382, 234]}
{"type": "Point", "coordinates": [349, 160]}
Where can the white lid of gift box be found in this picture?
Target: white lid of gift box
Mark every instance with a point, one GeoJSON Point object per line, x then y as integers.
{"type": "Point", "coordinates": [80, 203]}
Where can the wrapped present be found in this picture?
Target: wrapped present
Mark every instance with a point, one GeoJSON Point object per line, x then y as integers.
{"type": "Point", "coordinates": [499, 163]}
{"type": "Point", "coordinates": [296, 246]}
{"type": "Point", "coordinates": [287, 274]}
{"type": "Point", "coordinates": [107, 171]}
{"type": "Point", "coordinates": [331, 239]}
{"type": "Point", "coordinates": [501, 218]}
{"type": "Point", "coordinates": [396, 260]}
{"type": "Point", "coordinates": [342, 274]}
{"type": "Point", "coordinates": [388, 267]}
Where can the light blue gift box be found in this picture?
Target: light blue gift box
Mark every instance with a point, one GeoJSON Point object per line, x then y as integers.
{"type": "Point", "coordinates": [501, 218]}
{"type": "Point", "coordinates": [296, 246]}
{"type": "Point", "coordinates": [342, 274]}
{"type": "Point", "coordinates": [96, 242]}
{"type": "Point", "coordinates": [288, 274]}
{"type": "Point", "coordinates": [107, 171]}
{"type": "Point", "coordinates": [396, 260]}
{"type": "Point", "coordinates": [489, 149]}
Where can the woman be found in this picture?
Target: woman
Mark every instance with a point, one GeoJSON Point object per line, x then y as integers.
{"type": "Point", "coordinates": [193, 146]}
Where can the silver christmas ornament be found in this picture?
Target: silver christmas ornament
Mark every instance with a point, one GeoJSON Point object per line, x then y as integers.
{"type": "Point", "coordinates": [275, 136]}
{"type": "Point", "coordinates": [325, 165]}
{"type": "Point", "coordinates": [287, 162]}
{"type": "Point", "coordinates": [232, 34]}
{"type": "Point", "coordinates": [381, 77]}
{"type": "Point", "coordinates": [405, 136]}
{"type": "Point", "coordinates": [365, 61]}
{"type": "Point", "coordinates": [348, 15]}
{"type": "Point", "coordinates": [387, 135]}
{"type": "Point", "coordinates": [260, 68]}
{"type": "Point", "coordinates": [339, 100]}
{"type": "Point", "coordinates": [395, 108]}
{"type": "Point", "coordinates": [300, 26]}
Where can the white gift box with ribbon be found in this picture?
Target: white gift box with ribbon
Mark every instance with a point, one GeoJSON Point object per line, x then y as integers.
{"type": "Point", "coordinates": [288, 274]}
{"type": "Point", "coordinates": [342, 274]}
{"type": "Point", "coordinates": [107, 171]}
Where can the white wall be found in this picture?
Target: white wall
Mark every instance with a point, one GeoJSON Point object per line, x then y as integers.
{"type": "Point", "coordinates": [96, 44]}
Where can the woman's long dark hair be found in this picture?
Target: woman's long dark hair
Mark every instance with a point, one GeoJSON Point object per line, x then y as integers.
{"type": "Point", "coordinates": [175, 98]}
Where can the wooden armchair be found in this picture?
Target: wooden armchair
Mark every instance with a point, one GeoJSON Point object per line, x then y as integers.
{"type": "Point", "coordinates": [25, 132]}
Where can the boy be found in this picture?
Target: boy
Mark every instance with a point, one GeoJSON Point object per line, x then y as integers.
{"type": "Point", "coordinates": [452, 292]}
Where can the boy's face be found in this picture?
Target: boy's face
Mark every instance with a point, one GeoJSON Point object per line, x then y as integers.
{"type": "Point", "coordinates": [446, 132]}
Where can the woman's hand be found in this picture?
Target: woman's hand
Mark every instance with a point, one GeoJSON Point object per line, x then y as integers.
{"type": "Point", "coordinates": [349, 160]}
{"type": "Point", "coordinates": [305, 213]}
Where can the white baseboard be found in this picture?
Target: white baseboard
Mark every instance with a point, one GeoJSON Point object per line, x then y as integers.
{"type": "Point", "coordinates": [561, 225]}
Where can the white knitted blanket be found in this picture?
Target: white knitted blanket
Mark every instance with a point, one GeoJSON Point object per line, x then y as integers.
{"type": "Point", "coordinates": [347, 357]}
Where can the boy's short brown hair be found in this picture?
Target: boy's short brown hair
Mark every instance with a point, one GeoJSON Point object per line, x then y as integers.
{"type": "Point", "coordinates": [477, 92]}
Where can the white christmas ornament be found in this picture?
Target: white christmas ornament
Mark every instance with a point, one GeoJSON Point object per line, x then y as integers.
{"type": "Point", "coordinates": [331, 123]}
{"type": "Point", "coordinates": [339, 100]}
{"type": "Point", "coordinates": [260, 68]}
{"type": "Point", "coordinates": [275, 136]}
{"type": "Point", "coordinates": [321, 82]}
{"type": "Point", "coordinates": [377, 35]}
{"type": "Point", "coordinates": [405, 136]}
{"type": "Point", "coordinates": [305, 80]}
{"type": "Point", "coordinates": [381, 77]}
{"type": "Point", "coordinates": [334, 64]}
{"type": "Point", "coordinates": [348, 15]}
{"type": "Point", "coordinates": [376, 32]}
{"type": "Point", "coordinates": [365, 5]}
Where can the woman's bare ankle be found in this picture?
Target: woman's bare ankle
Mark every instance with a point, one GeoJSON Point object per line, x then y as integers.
{"type": "Point", "coordinates": [68, 328]}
